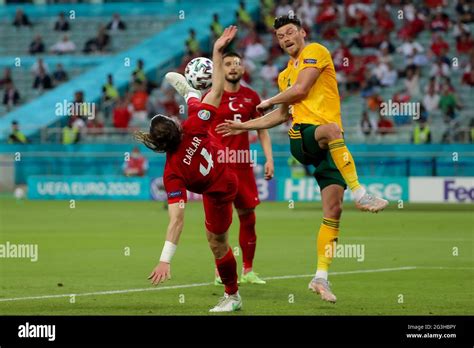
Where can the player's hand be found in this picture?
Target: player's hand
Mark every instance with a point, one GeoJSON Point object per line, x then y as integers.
{"type": "Point", "coordinates": [227, 36]}
{"type": "Point", "coordinates": [269, 170]}
{"type": "Point", "coordinates": [264, 105]}
{"type": "Point", "coordinates": [230, 127]}
{"type": "Point", "coordinates": [161, 273]}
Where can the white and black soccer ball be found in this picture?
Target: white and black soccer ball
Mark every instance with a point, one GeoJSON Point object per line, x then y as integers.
{"type": "Point", "coordinates": [198, 73]}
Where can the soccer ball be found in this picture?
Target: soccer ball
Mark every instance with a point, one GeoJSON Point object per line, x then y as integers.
{"type": "Point", "coordinates": [198, 73]}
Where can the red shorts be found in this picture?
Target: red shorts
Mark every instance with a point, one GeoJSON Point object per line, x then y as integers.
{"type": "Point", "coordinates": [217, 202]}
{"type": "Point", "coordinates": [247, 196]}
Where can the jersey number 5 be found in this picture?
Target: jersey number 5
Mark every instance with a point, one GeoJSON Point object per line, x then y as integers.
{"type": "Point", "coordinates": [210, 163]}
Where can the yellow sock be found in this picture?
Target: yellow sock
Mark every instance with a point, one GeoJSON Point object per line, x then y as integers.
{"type": "Point", "coordinates": [344, 162]}
{"type": "Point", "coordinates": [327, 236]}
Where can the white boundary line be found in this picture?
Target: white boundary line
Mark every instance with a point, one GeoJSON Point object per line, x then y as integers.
{"type": "Point", "coordinates": [184, 286]}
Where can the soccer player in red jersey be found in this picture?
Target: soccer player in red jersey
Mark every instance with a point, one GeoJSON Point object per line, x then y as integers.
{"type": "Point", "coordinates": [239, 103]}
{"type": "Point", "coordinates": [191, 164]}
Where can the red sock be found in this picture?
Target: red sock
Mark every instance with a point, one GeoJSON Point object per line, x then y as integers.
{"type": "Point", "coordinates": [247, 238]}
{"type": "Point", "coordinates": [227, 267]}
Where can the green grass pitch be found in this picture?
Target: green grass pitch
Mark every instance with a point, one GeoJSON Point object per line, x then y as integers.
{"type": "Point", "coordinates": [83, 251]}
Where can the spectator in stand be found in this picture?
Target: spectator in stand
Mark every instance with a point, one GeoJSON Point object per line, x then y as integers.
{"type": "Point", "coordinates": [42, 81]}
{"type": "Point", "coordinates": [7, 77]}
{"type": "Point", "coordinates": [39, 64]}
{"type": "Point", "coordinates": [21, 19]}
{"type": "Point", "coordinates": [431, 100]}
{"type": "Point", "coordinates": [121, 114]}
{"type": "Point", "coordinates": [385, 126]}
{"type": "Point", "coordinates": [64, 46]}
{"type": "Point", "coordinates": [95, 126]}
{"type": "Point", "coordinates": [448, 101]}
{"type": "Point", "coordinates": [11, 96]}
{"type": "Point", "coordinates": [216, 27]}
{"type": "Point", "coordinates": [192, 44]}
{"type": "Point", "coordinates": [59, 75]}
{"type": "Point", "coordinates": [116, 23]}
{"type": "Point", "coordinates": [255, 51]}
{"type": "Point", "coordinates": [70, 133]}
{"type": "Point", "coordinates": [465, 10]}
{"type": "Point", "coordinates": [464, 44]}
{"type": "Point", "coordinates": [409, 49]}
{"type": "Point", "coordinates": [136, 165]}
{"type": "Point", "coordinates": [100, 43]}
{"type": "Point", "coordinates": [369, 38]}
{"type": "Point", "coordinates": [383, 55]}
{"type": "Point", "coordinates": [367, 126]}
{"type": "Point", "coordinates": [383, 18]}
{"type": "Point", "coordinates": [439, 69]}
{"type": "Point", "coordinates": [243, 17]}
{"type": "Point", "coordinates": [357, 15]}
{"type": "Point", "coordinates": [17, 136]}
{"type": "Point", "coordinates": [306, 11]}
{"type": "Point", "coordinates": [468, 76]}
{"type": "Point", "coordinates": [439, 47]}
{"type": "Point", "coordinates": [269, 71]}
{"type": "Point", "coordinates": [139, 103]}
{"type": "Point", "coordinates": [415, 24]}
{"type": "Point", "coordinates": [168, 105]}
{"type": "Point", "coordinates": [439, 23]}
{"type": "Point", "coordinates": [412, 82]}
{"type": "Point", "coordinates": [109, 91]}
{"type": "Point", "coordinates": [460, 28]}
{"type": "Point", "coordinates": [283, 8]}
{"type": "Point", "coordinates": [384, 74]}
{"type": "Point", "coordinates": [61, 23]}
{"type": "Point", "coordinates": [421, 132]}
{"type": "Point", "coordinates": [138, 74]}
{"type": "Point", "coordinates": [37, 45]}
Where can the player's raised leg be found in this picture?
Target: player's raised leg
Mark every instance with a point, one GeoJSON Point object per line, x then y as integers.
{"type": "Point", "coordinates": [179, 83]}
{"type": "Point", "coordinates": [330, 136]}
{"type": "Point", "coordinates": [331, 197]}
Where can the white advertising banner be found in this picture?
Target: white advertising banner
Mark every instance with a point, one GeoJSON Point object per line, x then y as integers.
{"type": "Point", "coordinates": [441, 189]}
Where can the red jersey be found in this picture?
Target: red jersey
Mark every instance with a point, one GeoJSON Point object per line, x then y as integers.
{"type": "Point", "coordinates": [236, 106]}
{"type": "Point", "coordinates": [194, 165]}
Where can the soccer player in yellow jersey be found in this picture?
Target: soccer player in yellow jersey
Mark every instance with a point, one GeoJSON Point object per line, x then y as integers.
{"type": "Point", "coordinates": [309, 93]}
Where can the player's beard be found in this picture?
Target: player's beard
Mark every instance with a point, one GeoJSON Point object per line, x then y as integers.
{"type": "Point", "coordinates": [234, 80]}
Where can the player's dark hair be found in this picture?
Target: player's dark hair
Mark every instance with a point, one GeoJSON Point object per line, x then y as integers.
{"type": "Point", "coordinates": [287, 19]}
{"type": "Point", "coordinates": [164, 136]}
{"type": "Point", "coordinates": [231, 54]}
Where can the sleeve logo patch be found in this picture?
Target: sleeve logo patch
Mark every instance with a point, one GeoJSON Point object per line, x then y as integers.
{"type": "Point", "coordinates": [204, 115]}
{"type": "Point", "coordinates": [174, 194]}
{"type": "Point", "coordinates": [310, 61]}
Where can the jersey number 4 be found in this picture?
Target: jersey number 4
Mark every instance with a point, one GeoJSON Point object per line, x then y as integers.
{"type": "Point", "coordinates": [210, 163]}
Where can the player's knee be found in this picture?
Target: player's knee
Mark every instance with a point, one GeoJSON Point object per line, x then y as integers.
{"type": "Point", "coordinates": [334, 211]}
{"type": "Point", "coordinates": [245, 211]}
{"type": "Point", "coordinates": [218, 244]}
{"type": "Point", "coordinates": [333, 131]}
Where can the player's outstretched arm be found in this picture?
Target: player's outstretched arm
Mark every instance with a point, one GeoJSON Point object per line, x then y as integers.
{"type": "Point", "coordinates": [162, 271]}
{"type": "Point", "coordinates": [270, 120]}
{"type": "Point", "coordinates": [215, 95]}
{"type": "Point", "coordinates": [306, 79]}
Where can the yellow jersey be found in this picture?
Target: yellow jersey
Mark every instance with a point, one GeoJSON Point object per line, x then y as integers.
{"type": "Point", "coordinates": [322, 104]}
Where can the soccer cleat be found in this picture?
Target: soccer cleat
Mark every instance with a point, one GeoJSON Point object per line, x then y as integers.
{"type": "Point", "coordinates": [321, 287]}
{"type": "Point", "coordinates": [228, 303]}
{"type": "Point", "coordinates": [179, 83]}
{"type": "Point", "coordinates": [251, 278]}
{"type": "Point", "coordinates": [371, 203]}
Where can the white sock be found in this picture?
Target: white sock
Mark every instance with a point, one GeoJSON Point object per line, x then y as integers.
{"type": "Point", "coordinates": [321, 274]}
{"type": "Point", "coordinates": [358, 194]}
{"type": "Point", "coordinates": [192, 94]}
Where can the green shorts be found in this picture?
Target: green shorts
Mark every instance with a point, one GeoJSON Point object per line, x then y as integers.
{"type": "Point", "coordinates": [306, 150]}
